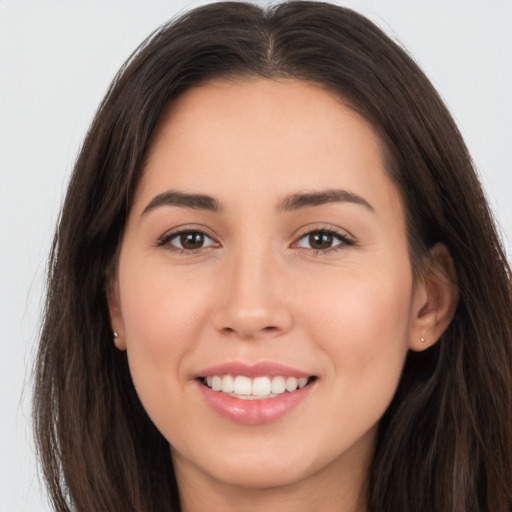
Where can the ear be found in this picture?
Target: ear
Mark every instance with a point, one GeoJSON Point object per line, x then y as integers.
{"type": "Point", "coordinates": [114, 308]}
{"type": "Point", "coordinates": [435, 299]}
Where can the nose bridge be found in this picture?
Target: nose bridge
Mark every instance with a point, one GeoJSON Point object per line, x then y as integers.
{"type": "Point", "coordinates": [253, 301]}
{"type": "Point", "coordinates": [251, 284]}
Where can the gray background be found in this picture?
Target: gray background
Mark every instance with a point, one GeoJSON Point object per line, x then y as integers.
{"type": "Point", "coordinates": [56, 61]}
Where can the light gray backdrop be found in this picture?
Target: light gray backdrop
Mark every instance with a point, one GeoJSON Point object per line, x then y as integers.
{"type": "Point", "coordinates": [56, 60]}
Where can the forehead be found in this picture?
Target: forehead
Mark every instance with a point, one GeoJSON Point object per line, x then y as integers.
{"type": "Point", "coordinates": [260, 136]}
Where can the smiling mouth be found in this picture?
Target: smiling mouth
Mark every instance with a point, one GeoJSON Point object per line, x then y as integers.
{"type": "Point", "coordinates": [259, 388]}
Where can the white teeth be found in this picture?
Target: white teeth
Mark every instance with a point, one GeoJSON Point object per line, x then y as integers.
{"type": "Point", "coordinates": [302, 382]}
{"type": "Point", "coordinates": [252, 389]}
{"type": "Point", "coordinates": [243, 385]}
{"type": "Point", "coordinates": [291, 384]}
{"type": "Point", "coordinates": [278, 385]}
{"type": "Point", "coordinates": [228, 384]}
{"type": "Point", "coordinates": [216, 383]}
{"type": "Point", "coordinates": [261, 386]}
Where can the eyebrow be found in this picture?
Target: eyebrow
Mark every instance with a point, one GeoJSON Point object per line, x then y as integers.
{"type": "Point", "coordinates": [308, 199]}
{"type": "Point", "coordinates": [184, 200]}
{"type": "Point", "coordinates": [294, 202]}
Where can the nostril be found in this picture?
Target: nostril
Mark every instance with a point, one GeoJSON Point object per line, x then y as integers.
{"type": "Point", "coordinates": [270, 330]}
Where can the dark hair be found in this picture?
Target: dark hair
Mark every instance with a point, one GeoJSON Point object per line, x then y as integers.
{"type": "Point", "coordinates": [445, 443]}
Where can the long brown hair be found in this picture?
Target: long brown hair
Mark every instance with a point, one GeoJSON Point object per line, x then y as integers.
{"type": "Point", "coordinates": [445, 443]}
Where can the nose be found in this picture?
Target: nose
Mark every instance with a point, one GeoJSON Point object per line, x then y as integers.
{"type": "Point", "coordinates": [253, 299]}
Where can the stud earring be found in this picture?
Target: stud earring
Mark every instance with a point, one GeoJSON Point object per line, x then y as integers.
{"type": "Point", "coordinates": [115, 334]}
{"type": "Point", "coordinates": [422, 339]}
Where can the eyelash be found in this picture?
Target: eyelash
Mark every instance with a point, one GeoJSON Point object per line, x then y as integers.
{"type": "Point", "coordinates": [166, 240]}
{"type": "Point", "coordinates": [344, 241]}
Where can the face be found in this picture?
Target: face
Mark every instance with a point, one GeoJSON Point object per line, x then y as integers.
{"type": "Point", "coordinates": [264, 291]}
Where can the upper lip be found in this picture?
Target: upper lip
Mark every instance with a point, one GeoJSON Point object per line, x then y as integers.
{"type": "Point", "coordinates": [261, 369]}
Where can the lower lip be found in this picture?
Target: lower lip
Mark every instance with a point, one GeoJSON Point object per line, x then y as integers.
{"type": "Point", "coordinates": [254, 412]}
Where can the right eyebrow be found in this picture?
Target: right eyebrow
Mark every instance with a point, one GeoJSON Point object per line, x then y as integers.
{"type": "Point", "coordinates": [184, 200]}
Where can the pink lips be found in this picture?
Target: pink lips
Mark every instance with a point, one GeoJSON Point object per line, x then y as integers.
{"type": "Point", "coordinates": [262, 369]}
{"type": "Point", "coordinates": [253, 412]}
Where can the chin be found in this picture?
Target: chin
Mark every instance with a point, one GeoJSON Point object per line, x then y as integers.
{"type": "Point", "coordinates": [258, 469]}
{"type": "Point", "coordinates": [260, 475]}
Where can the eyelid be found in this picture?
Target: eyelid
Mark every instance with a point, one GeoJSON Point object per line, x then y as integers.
{"type": "Point", "coordinates": [346, 240]}
{"type": "Point", "coordinates": [169, 235]}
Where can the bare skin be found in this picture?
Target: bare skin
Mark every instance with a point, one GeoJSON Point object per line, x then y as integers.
{"type": "Point", "coordinates": [265, 228]}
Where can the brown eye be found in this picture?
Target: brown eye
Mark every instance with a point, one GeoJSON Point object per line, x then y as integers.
{"type": "Point", "coordinates": [323, 240]}
{"type": "Point", "coordinates": [320, 240]}
{"type": "Point", "coordinates": [192, 240]}
{"type": "Point", "coordinates": [188, 241]}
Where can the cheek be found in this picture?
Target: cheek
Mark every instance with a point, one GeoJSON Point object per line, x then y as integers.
{"type": "Point", "coordinates": [160, 306]}
{"type": "Point", "coordinates": [363, 327]}
{"type": "Point", "coordinates": [163, 316]}
{"type": "Point", "coordinates": [363, 336]}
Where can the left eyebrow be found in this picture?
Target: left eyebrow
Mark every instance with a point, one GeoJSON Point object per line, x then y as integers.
{"type": "Point", "coordinates": [183, 200]}
{"type": "Point", "coordinates": [308, 199]}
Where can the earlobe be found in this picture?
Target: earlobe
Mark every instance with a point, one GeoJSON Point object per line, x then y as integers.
{"type": "Point", "coordinates": [114, 308]}
{"type": "Point", "coordinates": [118, 342]}
{"type": "Point", "coordinates": [435, 300]}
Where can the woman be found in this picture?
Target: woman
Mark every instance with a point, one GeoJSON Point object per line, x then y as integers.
{"type": "Point", "coordinates": [276, 283]}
